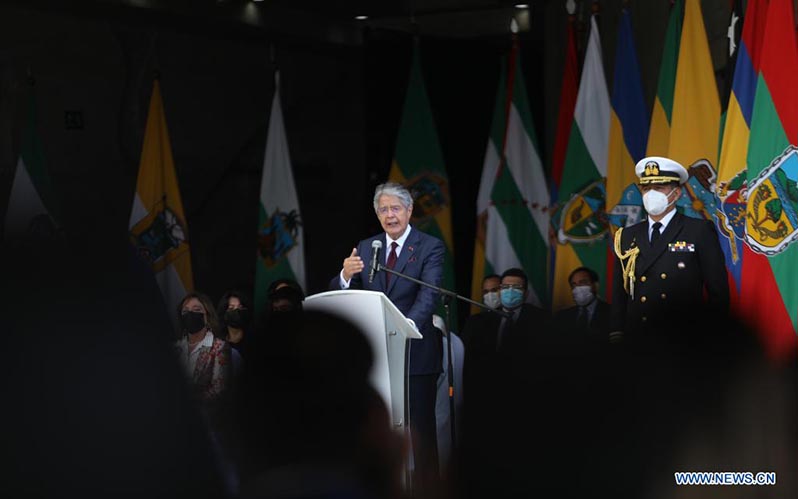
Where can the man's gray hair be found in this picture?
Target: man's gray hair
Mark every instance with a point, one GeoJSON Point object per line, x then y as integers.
{"type": "Point", "coordinates": [393, 189]}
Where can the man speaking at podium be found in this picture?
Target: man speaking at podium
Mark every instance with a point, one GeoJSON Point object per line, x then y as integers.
{"type": "Point", "coordinates": [418, 255]}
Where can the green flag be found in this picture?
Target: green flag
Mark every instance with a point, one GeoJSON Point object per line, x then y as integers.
{"type": "Point", "coordinates": [517, 215]}
{"type": "Point", "coordinates": [418, 165]}
{"type": "Point", "coordinates": [31, 203]}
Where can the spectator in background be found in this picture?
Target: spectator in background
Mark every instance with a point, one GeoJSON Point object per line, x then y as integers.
{"type": "Point", "coordinates": [490, 291]}
{"type": "Point", "coordinates": [490, 297]}
{"type": "Point", "coordinates": [497, 435]}
{"type": "Point", "coordinates": [590, 317]}
{"type": "Point", "coordinates": [283, 295]}
{"type": "Point", "coordinates": [492, 333]}
{"type": "Point", "coordinates": [234, 309]}
{"type": "Point", "coordinates": [286, 299]}
{"type": "Point", "coordinates": [205, 358]}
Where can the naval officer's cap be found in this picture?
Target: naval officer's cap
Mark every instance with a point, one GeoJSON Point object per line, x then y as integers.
{"type": "Point", "coordinates": [659, 170]}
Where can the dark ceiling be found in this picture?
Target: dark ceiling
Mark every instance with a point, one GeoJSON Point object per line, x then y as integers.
{"type": "Point", "coordinates": [318, 20]}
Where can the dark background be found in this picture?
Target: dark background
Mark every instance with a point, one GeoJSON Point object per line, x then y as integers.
{"type": "Point", "coordinates": [343, 84]}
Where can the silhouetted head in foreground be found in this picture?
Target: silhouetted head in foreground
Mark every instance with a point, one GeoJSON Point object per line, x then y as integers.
{"type": "Point", "coordinates": [307, 403]}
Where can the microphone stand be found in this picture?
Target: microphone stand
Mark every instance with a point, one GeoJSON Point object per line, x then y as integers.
{"type": "Point", "coordinates": [446, 297]}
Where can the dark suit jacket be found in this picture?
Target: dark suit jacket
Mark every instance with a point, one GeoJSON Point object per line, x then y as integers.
{"type": "Point", "coordinates": [670, 279]}
{"type": "Point", "coordinates": [422, 258]}
{"type": "Point", "coordinates": [481, 335]}
{"type": "Point", "coordinates": [599, 328]}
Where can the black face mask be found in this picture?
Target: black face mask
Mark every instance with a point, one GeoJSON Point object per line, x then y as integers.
{"type": "Point", "coordinates": [236, 317]}
{"type": "Point", "coordinates": [192, 322]}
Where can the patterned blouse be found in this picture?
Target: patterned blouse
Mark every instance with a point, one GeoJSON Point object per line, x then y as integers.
{"type": "Point", "coordinates": [207, 365]}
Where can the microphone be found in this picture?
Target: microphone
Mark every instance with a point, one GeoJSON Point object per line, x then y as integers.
{"type": "Point", "coordinates": [375, 250]}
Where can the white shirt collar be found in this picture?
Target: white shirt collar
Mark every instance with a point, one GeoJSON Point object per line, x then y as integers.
{"type": "Point", "coordinates": [207, 341]}
{"type": "Point", "coordinates": [189, 359]}
{"type": "Point", "coordinates": [665, 221]}
{"type": "Point", "coordinates": [400, 242]}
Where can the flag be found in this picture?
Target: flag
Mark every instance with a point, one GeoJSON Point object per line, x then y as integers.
{"type": "Point", "coordinates": [578, 222]}
{"type": "Point", "coordinates": [660, 129]}
{"type": "Point", "coordinates": [769, 288]}
{"type": "Point", "coordinates": [695, 118]}
{"type": "Point", "coordinates": [158, 230]}
{"type": "Point", "coordinates": [565, 117]}
{"type": "Point", "coordinates": [732, 175]}
{"type": "Point", "coordinates": [565, 120]}
{"type": "Point", "coordinates": [493, 156]}
{"type": "Point", "coordinates": [518, 212]}
{"type": "Point", "coordinates": [281, 249]}
{"type": "Point", "coordinates": [628, 131]}
{"type": "Point", "coordinates": [734, 34]}
{"type": "Point", "coordinates": [418, 165]}
{"type": "Point", "coordinates": [31, 203]}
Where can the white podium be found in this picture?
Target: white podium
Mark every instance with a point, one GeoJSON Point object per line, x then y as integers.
{"type": "Point", "coordinates": [387, 330]}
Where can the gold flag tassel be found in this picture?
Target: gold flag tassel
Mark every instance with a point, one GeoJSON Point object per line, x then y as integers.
{"type": "Point", "coordinates": [628, 260]}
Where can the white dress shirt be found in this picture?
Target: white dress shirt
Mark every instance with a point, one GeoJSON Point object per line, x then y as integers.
{"type": "Point", "coordinates": [665, 221]}
{"type": "Point", "coordinates": [400, 242]}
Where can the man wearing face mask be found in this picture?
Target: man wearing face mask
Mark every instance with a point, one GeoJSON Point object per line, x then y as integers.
{"type": "Point", "coordinates": [490, 291]}
{"type": "Point", "coordinates": [590, 317]}
{"type": "Point", "coordinates": [668, 264]}
{"type": "Point", "coordinates": [515, 332]}
{"type": "Point", "coordinates": [491, 298]}
{"type": "Point", "coordinates": [489, 334]}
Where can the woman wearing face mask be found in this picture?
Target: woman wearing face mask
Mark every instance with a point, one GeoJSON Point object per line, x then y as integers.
{"type": "Point", "coordinates": [205, 358]}
{"type": "Point", "coordinates": [234, 309]}
{"type": "Point", "coordinates": [666, 265]}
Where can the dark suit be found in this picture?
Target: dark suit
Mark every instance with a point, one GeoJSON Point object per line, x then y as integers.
{"type": "Point", "coordinates": [671, 276]}
{"type": "Point", "coordinates": [482, 331]}
{"type": "Point", "coordinates": [420, 257]}
{"type": "Point", "coordinates": [598, 329]}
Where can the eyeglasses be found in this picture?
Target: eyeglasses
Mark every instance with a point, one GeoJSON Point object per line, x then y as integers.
{"type": "Point", "coordinates": [395, 209]}
{"type": "Point", "coordinates": [512, 286]}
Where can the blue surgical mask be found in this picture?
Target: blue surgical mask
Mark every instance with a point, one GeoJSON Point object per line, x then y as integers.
{"type": "Point", "coordinates": [512, 298]}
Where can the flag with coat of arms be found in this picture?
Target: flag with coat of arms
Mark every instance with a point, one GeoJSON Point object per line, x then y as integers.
{"type": "Point", "coordinates": [280, 240]}
{"type": "Point", "coordinates": [157, 226]}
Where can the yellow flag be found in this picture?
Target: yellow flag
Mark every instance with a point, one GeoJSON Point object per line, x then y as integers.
{"type": "Point", "coordinates": [158, 229]}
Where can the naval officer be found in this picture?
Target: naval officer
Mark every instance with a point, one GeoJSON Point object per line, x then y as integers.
{"type": "Point", "coordinates": [668, 264]}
